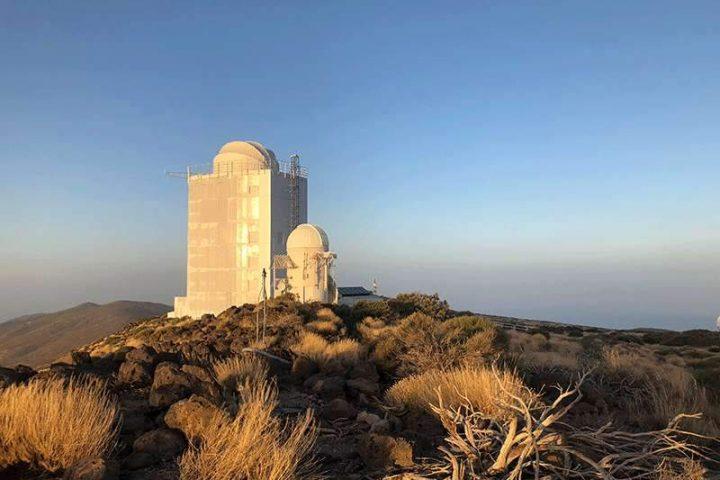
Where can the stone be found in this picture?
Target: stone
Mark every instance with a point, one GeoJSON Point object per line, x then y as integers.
{"type": "Point", "coordinates": [138, 460]}
{"type": "Point", "coordinates": [192, 416]}
{"type": "Point", "coordinates": [134, 373]}
{"type": "Point", "coordinates": [25, 372]}
{"type": "Point", "coordinates": [380, 451]}
{"type": "Point", "coordinates": [8, 377]}
{"type": "Point", "coordinates": [368, 418]}
{"type": "Point", "coordinates": [330, 447]}
{"type": "Point", "coordinates": [366, 370]}
{"type": "Point", "coordinates": [133, 422]}
{"type": "Point", "coordinates": [80, 358]}
{"type": "Point", "coordinates": [143, 354]}
{"type": "Point", "coordinates": [200, 373]}
{"type": "Point", "coordinates": [383, 427]}
{"type": "Point", "coordinates": [169, 385]}
{"type": "Point", "coordinates": [363, 385]}
{"type": "Point", "coordinates": [162, 443]}
{"type": "Point", "coordinates": [91, 468]}
{"type": "Point", "coordinates": [329, 387]}
{"type": "Point", "coordinates": [302, 369]}
{"type": "Point", "coordinates": [339, 408]}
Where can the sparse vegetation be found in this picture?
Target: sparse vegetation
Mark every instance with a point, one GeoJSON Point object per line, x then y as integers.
{"type": "Point", "coordinates": [236, 371]}
{"type": "Point", "coordinates": [392, 382]}
{"type": "Point", "coordinates": [55, 423]}
{"type": "Point", "coordinates": [253, 445]}
{"type": "Point", "coordinates": [480, 387]}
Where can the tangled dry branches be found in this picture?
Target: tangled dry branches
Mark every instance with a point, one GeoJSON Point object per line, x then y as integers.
{"type": "Point", "coordinates": [537, 442]}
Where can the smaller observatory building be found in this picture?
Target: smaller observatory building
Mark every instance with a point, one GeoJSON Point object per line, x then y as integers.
{"type": "Point", "coordinates": [307, 266]}
{"type": "Point", "coordinates": [247, 215]}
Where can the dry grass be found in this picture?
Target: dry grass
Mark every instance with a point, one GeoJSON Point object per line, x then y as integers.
{"type": "Point", "coordinates": [53, 424]}
{"type": "Point", "coordinates": [345, 352]}
{"type": "Point", "coordinates": [477, 386]}
{"type": "Point", "coordinates": [662, 391]}
{"type": "Point", "coordinates": [234, 372]}
{"type": "Point", "coordinates": [327, 322]}
{"type": "Point", "coordinates": [254, 445]}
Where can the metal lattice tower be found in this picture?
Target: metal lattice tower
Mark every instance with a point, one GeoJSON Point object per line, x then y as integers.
{"type": "Point", "coordinates": [294, 185]}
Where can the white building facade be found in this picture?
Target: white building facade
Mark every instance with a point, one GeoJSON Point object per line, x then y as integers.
{"type": "Point", "coordinates": [240, 214]}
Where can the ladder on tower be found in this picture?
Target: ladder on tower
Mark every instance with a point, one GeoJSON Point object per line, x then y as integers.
{"type": "Point", "coordinates": [294, 186]}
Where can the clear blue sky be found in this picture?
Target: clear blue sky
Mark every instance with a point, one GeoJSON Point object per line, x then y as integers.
{"type": "Point", "coordinates": [554, 160]}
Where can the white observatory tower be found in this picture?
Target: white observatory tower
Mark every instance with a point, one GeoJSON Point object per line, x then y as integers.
{"type": "Point", "coordinates": [240, 213]}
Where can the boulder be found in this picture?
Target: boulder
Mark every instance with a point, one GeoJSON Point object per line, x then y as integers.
{"type": "Point", "coordinates": [329, 387]}
{"type": "Point", "coordinates": [383, 427]}
{"type": "Point", "coordinates": [162, 443]}
{"type": "Point", "coordinates": [363, 385]}
{"type": "Point", "coordinates": [80, 358]}
{"type": "Point", "coordinates": [303, 368]}
{"type": "Point", "coordinates": [381, 451]}
{"type": "Point", "coordinates": [134, 373]}
{"type": "Point", "coordinates": [200, 373]}
{"type": "Point", "coordinates": [138, 460]}
{"type": "Point", "coordinates": [8, 377]}
{"type": "Point", "coordinates": [134, 422]}
{"type": "Point", "coordinates": [339, 408]}
{"type": "Point", "coordinates": [143, 354]}
{"type": "Point", "coordinates": [91, 468]}
{"type": "Point", "coordinates": [367, 418]}
{"type": "Point", "coordinates": [170, 384]}
{"type": "Point", "coordinates": [366, 370]}
{"type": "Point", "coordinates": [192, 416]}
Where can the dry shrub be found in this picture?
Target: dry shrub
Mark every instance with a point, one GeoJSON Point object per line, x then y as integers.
{"type": "Point", "coordinates": [310, 345]}
{"type": "Point", "coordinates": [327, 322]}
{"type": "Point", "coordinates": [681, 469]}
{"type": "Point", "coordinates": [345, 352]}
{"type": "Point", "coordinates": [54, 423]}
{"type": "Point", "coordinates": [533, 439]}
{"type": "Point", "coordinates": [254, 445]}
{"type": "Point", "coordinates": [654, 393]}
{"type": "Point", "coordinates": [234, 372]}
{"type": "Point", "coordinates": [479, 386]}
{"type": "Point", "coordinates": [420, 343]}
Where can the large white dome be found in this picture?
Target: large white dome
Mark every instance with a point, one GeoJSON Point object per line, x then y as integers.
{"type": "Point", "coordinates": [245, 154]}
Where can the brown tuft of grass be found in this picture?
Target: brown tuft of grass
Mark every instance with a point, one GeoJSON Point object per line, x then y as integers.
{"type": "Point", "coordinates": [480, 387]}
{"type": "Point", "coordinates": [54, 423]}
{"type": "Point", "coordinates": [253, 445]}
{"type": "Point", "coordinates": [660, 391]}
{"type": "Point", "coordinates": [345, 352]}
{"type": "Point", "coordinates": [234, 372]}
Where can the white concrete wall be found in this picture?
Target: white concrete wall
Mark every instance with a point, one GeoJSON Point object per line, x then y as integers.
{"type": "Point", "coordinates": [237, 220]}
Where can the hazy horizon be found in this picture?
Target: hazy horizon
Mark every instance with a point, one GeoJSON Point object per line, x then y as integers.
{"type": "Point", "coordinates": [549, 161]}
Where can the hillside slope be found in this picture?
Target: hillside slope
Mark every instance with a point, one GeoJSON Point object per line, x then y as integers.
{"type": "Point", "coordinates": [38, 339]}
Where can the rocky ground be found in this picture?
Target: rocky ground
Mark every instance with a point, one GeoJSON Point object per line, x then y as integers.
{"type": "Point", "coordinates": [159, 372]}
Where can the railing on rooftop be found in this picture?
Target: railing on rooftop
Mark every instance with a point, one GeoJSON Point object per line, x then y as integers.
{"type": "Point", "coordinates": [230, 169]}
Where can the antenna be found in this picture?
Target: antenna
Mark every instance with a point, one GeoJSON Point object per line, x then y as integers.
{"type": "Point", "coordinates": [294, 186]}
{"type": "Point", "coordinates": [263, 299]}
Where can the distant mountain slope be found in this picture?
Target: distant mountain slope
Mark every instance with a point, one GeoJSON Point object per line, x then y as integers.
{"type": "Point", "coordinates": [40, 338]}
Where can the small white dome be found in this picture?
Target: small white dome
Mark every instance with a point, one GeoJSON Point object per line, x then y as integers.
{"type": "Point", "coordinates": [308, 236]}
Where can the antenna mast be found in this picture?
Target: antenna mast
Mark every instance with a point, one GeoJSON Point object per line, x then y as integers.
{"type": "Point", "coordinates": [294, 185]}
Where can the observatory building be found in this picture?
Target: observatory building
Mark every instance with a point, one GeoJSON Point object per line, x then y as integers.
{"type": "Point", "coordinates": [307, 266]}
{"type": "Point", "coordinates": [241, 211]}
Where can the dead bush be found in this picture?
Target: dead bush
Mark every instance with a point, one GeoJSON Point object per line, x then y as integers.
{"type": "Point", "coordinates": [477, 386]}
{"type": "Point", "coordinates": [344, 353]}
{"type": "Point", "coordinates": [532, 439]}
{"type": "Point", "coordinates": [54, 423]}
{"type": "Point", "coordinates": [253, 445]}
{"type": "Point", "coordinates": [420, 343]}
{"type": "Point", "coordinates": [234, 372]}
